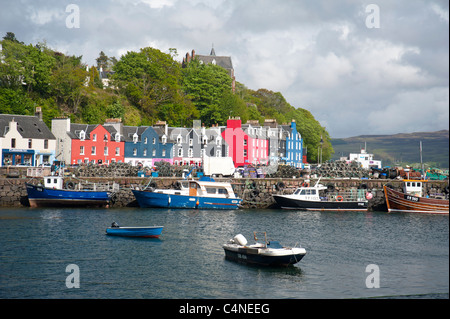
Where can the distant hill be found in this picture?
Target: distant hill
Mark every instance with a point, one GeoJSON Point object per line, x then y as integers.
{"type": "Point", "coordinates": [399, 149]}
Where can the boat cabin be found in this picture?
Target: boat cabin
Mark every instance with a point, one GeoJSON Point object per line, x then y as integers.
{"type": "Point", "coordinates": [213, 189]}
{"type": "Point", "coordinates": [413, 187]}
{"type": "Point", "coordinates": [55, 182]}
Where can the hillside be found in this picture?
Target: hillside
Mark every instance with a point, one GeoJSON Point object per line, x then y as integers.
{"type": "Point", "coordinates": [399, 149]}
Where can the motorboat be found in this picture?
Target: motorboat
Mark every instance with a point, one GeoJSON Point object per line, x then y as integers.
{"type": "Point", "coordinates": [197, 194]}
{"type": "Point", "coordinates": [324, 198]}
{"type": "Point", "coordinates": [269, 253]}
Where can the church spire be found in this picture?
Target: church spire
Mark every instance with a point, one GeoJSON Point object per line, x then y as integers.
{"type": "Point", "coordinates": [212, 51]}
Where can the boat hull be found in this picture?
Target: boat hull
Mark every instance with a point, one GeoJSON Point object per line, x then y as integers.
{"type": "Point", "coordinates": [286, 202]}
{"type": "Point", "coordinates": [401, 202]}
{"type": "Point", "coordinates": [253, 256]}
{"type": "Point", "coordinates": [39, 196]}
{"type": "Point", "coordinates": [142, 232]}
{"type": "Point", "coordinates": [159, 200]}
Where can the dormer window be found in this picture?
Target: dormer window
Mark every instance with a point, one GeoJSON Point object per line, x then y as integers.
{"type": "Point", "coordinates": [135, 138]}
{"type": "Point", "coordinates": [82, 135]}
{"type": "Point", "coordinates": [117, 137]}
{"type": "Point", "coordinates": [164, 139]}
{"type": "Point", "coordinates": [179, 139]}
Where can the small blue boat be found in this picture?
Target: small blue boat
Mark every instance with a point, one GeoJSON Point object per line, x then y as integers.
{"type": "Point", "coordinates": [141, 231]}
{"type": "Point", "coordinates": [55, 193]}
{"type": "Point", "coordinates": [195, 194]}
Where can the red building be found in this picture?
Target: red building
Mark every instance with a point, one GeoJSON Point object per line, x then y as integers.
{"type": "Point", "coordinates": [96, 144]}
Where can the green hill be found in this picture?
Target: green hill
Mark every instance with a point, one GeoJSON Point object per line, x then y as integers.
{"type": "Point", "coordinates": [399, 149]}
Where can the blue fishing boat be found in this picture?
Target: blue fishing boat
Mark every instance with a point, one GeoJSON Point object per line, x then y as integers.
{"type": "Point", "coordinates": [196, 194]}
{"type": "Point", "coordinates": [142, 231]}
{"type": "Point", "coordinates": [55, 193]}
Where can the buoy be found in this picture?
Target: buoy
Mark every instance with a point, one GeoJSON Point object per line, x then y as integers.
{"type": "Point", "coordinates": [369, 195]}
{"type": "Point", "coordinates": [339, 198]}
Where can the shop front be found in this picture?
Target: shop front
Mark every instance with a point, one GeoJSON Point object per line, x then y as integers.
{"type": "Point", "coordinates": [15, 157]}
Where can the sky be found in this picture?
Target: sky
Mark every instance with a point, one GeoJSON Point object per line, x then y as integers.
{"type": "Point", "coordinates": [374, 67]}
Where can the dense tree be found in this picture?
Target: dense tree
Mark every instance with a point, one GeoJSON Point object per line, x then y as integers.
{"type": "Point", "coordinates": [147, 86]}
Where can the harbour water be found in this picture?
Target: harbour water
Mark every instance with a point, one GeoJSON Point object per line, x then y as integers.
{"type": "Point", "coordinates": [347, 253]}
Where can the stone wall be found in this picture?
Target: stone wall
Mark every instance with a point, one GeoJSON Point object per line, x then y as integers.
{"type": "Point", "coordinates": [256, 193]}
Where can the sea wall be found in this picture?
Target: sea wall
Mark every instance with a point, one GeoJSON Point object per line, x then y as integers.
{"type": "Point", "coordinates": [256, 193]}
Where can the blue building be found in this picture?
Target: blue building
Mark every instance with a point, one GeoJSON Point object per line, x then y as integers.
{"type": "Point", "coordinates": [294, 146]}
{"type": "Point", "coordinates": [146, 145]}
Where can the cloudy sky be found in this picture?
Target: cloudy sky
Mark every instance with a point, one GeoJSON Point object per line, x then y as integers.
{"type": "Point", "coordinates": [360, 67]}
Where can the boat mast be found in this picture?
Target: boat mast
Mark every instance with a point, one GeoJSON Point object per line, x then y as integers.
{"type": "Point", "coordinates": [421, 163]}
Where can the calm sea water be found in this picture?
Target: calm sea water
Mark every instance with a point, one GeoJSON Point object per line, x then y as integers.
{"type": "Point", "coordinates": [411, 252]}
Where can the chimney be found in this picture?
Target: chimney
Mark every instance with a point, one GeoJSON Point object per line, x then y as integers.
{"type": "Point", "coordinates": [38, 113]}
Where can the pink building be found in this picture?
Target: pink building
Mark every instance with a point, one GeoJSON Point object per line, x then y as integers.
{"type": "Point", "coordinates": [243, 148]}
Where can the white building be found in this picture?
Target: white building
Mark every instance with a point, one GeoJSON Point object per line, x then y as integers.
{"type": "Point", "coordinates": [26, 140]}
{"type": "Point", "coordinates": [365, 159]}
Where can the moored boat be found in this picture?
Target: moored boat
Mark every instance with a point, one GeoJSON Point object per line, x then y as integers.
{"type": "Point", "coordinates": [134, 231]}
{"type": "Point", "coordinates": [269, 253]}
{"type": "Point", "coordinates": [324, 198]}
{"type": "Point", "coordinates": [197, 194]}
{"type": "Point", "coordinates": [411, 199]}
{"type": "Point", "coordinates": [55, 192]}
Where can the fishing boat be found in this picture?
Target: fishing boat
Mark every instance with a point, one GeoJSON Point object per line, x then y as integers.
{"type": "Point", "coordinates": [133, 231]}
{"type": "Point", "coordinates": [55, 192]}
{"type": "Point", "coordinates": [324, 198]}
{"type": "Point", "coordinates": [411, 199]}
{"type": "Point", "coordinates": [198, 194]}
{"type": "Point", "coordinates": [269, 253]}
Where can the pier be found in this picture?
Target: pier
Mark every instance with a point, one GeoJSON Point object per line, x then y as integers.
{"type": "Point", "coordinates": [256, 193]}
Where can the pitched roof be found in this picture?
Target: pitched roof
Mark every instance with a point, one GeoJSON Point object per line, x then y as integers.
{"type": "Point", "coordinates": [27, 126]}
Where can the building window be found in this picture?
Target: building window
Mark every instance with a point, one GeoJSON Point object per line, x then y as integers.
{"type": "Point", "coordinates": [145, 152]}
{"type": "Point", "coordinates": [117, 151]}
{"type": "Point", "coordinates": [245, 142]}
{"type": "Point", "coordinates": [13, 143]}
{"type": "Point", "coordinates": [191, 142]}
{"type": "Point", "coordinates": [93, 150]}
{"type": "Point", "coordinates": [81, 150]}
{"type": "Point", "coordinates": [30, 143]}
{"type": "Point", "coordinates": [145, 140]}
{"type": "Point", "coordinates": [190, 153]}
{"type": "Point", "coordinates": [154, 140]}
{"type": "Point", "coordinates": [180, 152]}
{"type": "Point", "coordinates": [164, 139]}
{"type": "Point", "coordinates": [46, 144]}
{"type": "Point", "coordinates": [105, 152]}
{"type": "Point", "coordinates": [245, 153]}
{"type": "Point", "coordinates": [154, 152]}
{"type": "Point", "coordinates": [94, 137]}
{"type": "Point", "coordinates": [134, 151]}
{"type": "Point", "coordinates": [163, 153]}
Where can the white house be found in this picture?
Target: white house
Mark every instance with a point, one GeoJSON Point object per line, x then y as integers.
{"type": "Point", "coordinates": [26, 140]}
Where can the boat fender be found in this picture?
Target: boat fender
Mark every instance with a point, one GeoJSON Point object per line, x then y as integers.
{"type": "Point", "coordinates": [339, 198]}
{"type": "Point", "coordinates": [153, 185]}
{"type": "Point", "coordinates": [240, 239]}
{"type": "Point", "coordinates": [305, 184]}
{"type": "Point", "coordinates": [369, 196]}
{"type": "Point", "coordinates": [70, 185]}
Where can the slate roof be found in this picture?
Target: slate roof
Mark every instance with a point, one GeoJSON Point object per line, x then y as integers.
{"type": "Point", "coordinates": [27, 126]}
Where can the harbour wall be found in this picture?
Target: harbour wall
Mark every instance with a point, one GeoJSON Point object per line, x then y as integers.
{"type": "Point", "coordinates": [256, 193]}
